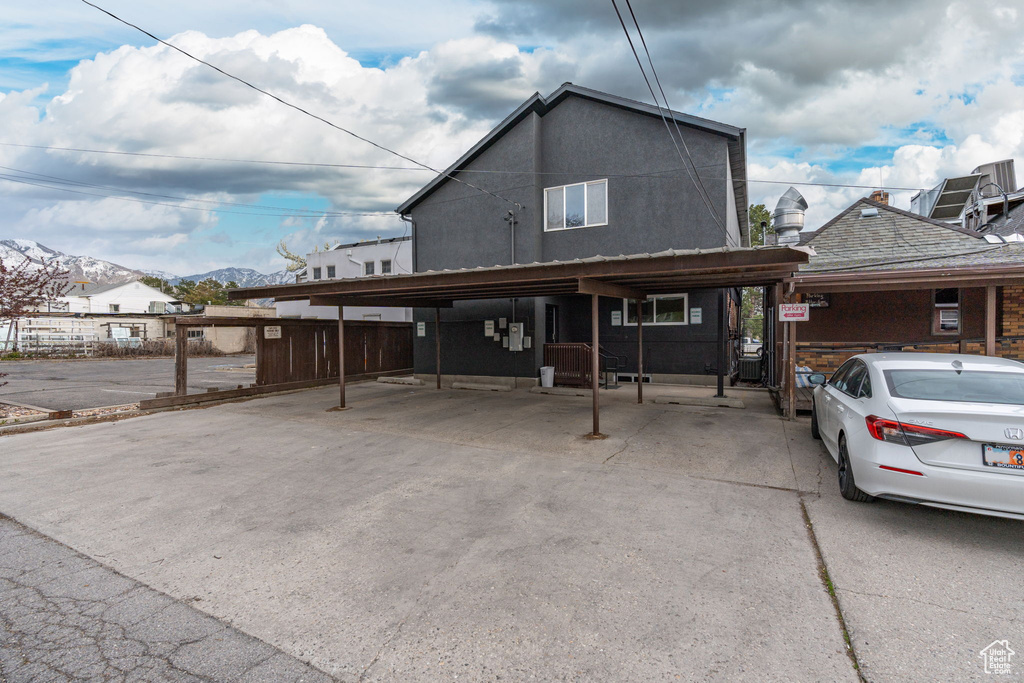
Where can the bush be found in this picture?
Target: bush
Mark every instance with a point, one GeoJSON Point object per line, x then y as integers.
{"type": "Point", "coordinates": [13, 355]}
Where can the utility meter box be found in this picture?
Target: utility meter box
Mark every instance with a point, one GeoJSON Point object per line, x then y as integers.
{"type": "Point", "coordinates": [515, 337]}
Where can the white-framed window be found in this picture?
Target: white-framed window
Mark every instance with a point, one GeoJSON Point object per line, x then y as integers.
{"type": "Point", "coordinates": [385, 266]}
{"type": "Point", "coordinates": [368, 268]}
{"type": "Point", "coordinates": [115, 308]}
{"type": "Point", "coordinates": [582, 205]}
{"type": "Point", "coordinates": [196, 333]}
{"type": "Point", "coordinates": [331, 270]}
{"type": "Point", "coordinates": [316, 273]}
{"type": "Point", "coordinates": [668, 309]}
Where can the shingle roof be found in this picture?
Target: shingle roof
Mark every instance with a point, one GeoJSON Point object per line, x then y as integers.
{"type": "Point", "coordinates": [898, 240]}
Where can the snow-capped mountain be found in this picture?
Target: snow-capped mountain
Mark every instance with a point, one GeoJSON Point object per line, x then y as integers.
{"type": "Point", "coordinates": [80, 268]}
{"type": "Point", "coordinates": [245, 277]}
{"type": "Point", "coordinates": [98, 271]}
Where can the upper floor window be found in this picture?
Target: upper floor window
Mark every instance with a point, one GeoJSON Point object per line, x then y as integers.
{"type": "Point", "coordinates": [316, 273]}
{"type": "Point", "coordinates": [330, 272]}
{"type": "Point", "coordinates": [368, 268]}
{"type": "Point", "coordinates": [576, 206]}
{"type": "Point", "coordinates": [115, 308]}
{"type": "Point", "coordinates": [385, 266]}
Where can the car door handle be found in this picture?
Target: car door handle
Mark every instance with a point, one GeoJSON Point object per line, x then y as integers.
{"type": "Point", "coordinates": [840, 409]}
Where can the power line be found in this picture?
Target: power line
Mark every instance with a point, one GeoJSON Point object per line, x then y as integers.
{"type": "Point", "coordinates": [675, 122]}
{"type": "Point", "coordinates": [664, 119]}
{"type": "Point", "coordinates": [653, 174]}
{"type": "Point", "coordinates": [43, 184]}
{"type": "Point", "coordinates": [297, 212]}
{"type": "Point", "coordinates": [295, 106]}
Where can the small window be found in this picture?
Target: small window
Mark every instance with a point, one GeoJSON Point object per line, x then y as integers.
{"type": "Point", "coordinates": [330, 272]}
{"type": "Point", "coordinates": [946, 316]}
{"type": "Point", "coordinates": [670, 309]}
{"type": "Point", "coordinates": [196, 333]}
{"type": "Point", "coordinates": [115, 308]}
{"type": "Point", "coordinates": [581, 205]}
{"type": "Point", "coordinates": [316, 273]}
{"type": "Point", "coordinates": [371, 316]}
{"type": "Point", "coordinates": [385, 266]}
{"type": "Point", "coordinates": [368, 268]}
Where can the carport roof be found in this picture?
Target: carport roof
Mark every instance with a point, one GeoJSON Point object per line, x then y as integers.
{"type": "Point", "coordinates": [634, 276]}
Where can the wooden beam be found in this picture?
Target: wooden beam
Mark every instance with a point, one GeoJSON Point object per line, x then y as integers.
{"type": "Point", "coordinates": [588, 286]}
{"type": "Point", "coordinates": [722, 339]}
{"type": "Point", "coordinates": [383, 302]}
{"type": "Point", "coordinates": [180, 360]}
{"type": "Point", "coordinates": [990, 321]}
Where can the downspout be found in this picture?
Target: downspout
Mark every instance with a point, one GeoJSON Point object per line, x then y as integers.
{"type": "Point", "coordinates": [412, 237]}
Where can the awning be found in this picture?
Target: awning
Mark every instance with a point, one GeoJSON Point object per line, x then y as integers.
{"type": "Point", "coordinates": [635, 276]}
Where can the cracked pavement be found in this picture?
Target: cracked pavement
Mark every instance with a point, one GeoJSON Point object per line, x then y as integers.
{"type": "Point", "coordinates": [65, 617]}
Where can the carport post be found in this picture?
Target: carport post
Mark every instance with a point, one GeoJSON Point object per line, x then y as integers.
{"type": "Point", "coordinates": [341, 354]}
{"type": "Point", "coordinates": [722, 338]}
{"type": "Point", "coordinates": [595, 365]}
{"type": "Point", "coordinates": [437, 343]}
{"type": "Point", "coordinates": [791, 373]}
{"type": "Point", "coordinates": [639, 351]}
{"type": "Point", "coordinates": [180, 359]}
{"type": "Point", "coordinates": [990, 321]}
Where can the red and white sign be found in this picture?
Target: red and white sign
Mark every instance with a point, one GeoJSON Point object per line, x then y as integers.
{"type": "Point", "coordinates": [794, 313]}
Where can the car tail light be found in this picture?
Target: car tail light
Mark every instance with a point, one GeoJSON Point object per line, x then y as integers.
{"type": "Point", "coordinates": [894, 431]}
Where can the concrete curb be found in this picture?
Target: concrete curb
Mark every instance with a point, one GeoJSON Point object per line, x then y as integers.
{"type": "Point", "coordinates": [408, 381]}
{"type": "Point", "coordinates": [560, 391]}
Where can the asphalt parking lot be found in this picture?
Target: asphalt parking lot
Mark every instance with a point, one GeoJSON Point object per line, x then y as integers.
{"type": "Point", "coordinates": [426, 535]}
{"type": "Point", "coordinates": [78, 384]}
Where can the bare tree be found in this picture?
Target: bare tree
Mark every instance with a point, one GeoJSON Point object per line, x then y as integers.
{"type": "Point", "coordinates": [295, 262]}
{"type": "Point", "coordinates": [25, 286]}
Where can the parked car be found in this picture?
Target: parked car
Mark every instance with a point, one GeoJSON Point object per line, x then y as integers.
{"type": "Point", "coordinates": [751, 346]}
{"type": "Point", "coordinates": [943, 430]}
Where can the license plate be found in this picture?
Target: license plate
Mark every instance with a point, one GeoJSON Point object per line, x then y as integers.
{"type": "Point", "coordinates": [1010, 457]}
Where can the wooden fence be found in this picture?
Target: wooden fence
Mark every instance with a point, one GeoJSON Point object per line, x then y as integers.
{"type": "Point", "coordinates": [572, 363]}
{"type": "Point", "coordinates": [310, 352]}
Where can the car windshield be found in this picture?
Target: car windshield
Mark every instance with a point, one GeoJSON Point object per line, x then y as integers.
{"type": "Point", "coordinates": [948, 385]}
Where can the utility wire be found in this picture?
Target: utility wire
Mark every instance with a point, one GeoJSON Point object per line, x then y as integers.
{"type": "Point", "coordinates": [297, 107]}
{"type": "Point", "coordinates": [42, 183]}
{"type": "Point", "coordinates": [668, 106]}
{"type": "Point", "coordinates": [653, 174]}
{"type": "Point", "coordinates": [297, 212]}
{"type": "Point", "coordinates": [664, 119]}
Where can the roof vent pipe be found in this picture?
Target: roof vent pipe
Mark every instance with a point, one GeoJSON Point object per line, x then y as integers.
{"type": "Point", "coordinates": [789, 217]}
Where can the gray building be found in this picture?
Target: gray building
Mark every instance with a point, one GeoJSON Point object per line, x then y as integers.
{"type": "Point", "coordinates": [575, 175]}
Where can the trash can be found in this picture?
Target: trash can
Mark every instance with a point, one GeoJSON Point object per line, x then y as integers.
{"type": "Point", "coordinates": [547, 376]}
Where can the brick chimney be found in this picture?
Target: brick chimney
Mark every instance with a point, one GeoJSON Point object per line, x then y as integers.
{"type": "Point", "coordinates": [880, 196]}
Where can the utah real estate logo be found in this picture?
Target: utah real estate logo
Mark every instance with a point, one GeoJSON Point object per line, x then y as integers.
{"type": "Point", "coordinates": [997, 657]}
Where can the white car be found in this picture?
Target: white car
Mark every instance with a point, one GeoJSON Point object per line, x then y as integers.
{"type": "Point", "coordinates": [943, 430]}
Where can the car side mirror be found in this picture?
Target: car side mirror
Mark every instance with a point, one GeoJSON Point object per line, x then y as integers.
{"type": "Point", "coordinates": [816, 379]}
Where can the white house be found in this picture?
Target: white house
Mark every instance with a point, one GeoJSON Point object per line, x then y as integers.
{"type": "Point", "coordinates": [373, 258]}
{"type": "Point", "coordinates": [127, 297]}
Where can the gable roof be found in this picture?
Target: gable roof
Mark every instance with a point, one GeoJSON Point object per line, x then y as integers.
{"type": "Point", "coordinates": [897, 240]}
{"type": "Point", "coordinates": [92, 289]}
{"type": "Point", "coordinates": [540, 105]}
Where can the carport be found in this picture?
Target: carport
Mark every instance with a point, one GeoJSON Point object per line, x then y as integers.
{"type": "Point", "coordinates": [632, 277]}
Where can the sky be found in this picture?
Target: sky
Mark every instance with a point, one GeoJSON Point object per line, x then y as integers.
{"type": "Point", "coordinates": [870, 93]}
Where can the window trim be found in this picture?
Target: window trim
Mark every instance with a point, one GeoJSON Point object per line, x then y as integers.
{"type": "Point", "coordinates": [382, 262]}
{"type": "Point", "coordinates": [585, 183]}
{"type": "Point", "coordinates": [368, 268]}
{"type": "Point", "coordinates": [685, 296]}
{"type": "Point", "coordinates": [332, 272]}
{"type": "Point", "coordinates": [316, 273]}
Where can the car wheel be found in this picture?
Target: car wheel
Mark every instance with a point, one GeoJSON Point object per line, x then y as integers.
{"type": "Point", "coordinates": [847, 484]}
{"type": "Point", "coordinates": [815, 432]}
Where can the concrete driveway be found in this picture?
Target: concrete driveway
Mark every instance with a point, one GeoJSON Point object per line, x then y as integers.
{"type": "Point", "coordinates": [423, 535]}
{"type": "Point", "coordinates": [78, 384]}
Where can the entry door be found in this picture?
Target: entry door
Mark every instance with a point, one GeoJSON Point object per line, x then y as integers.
{"type": "Point", "coordinates": [550, 324]}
